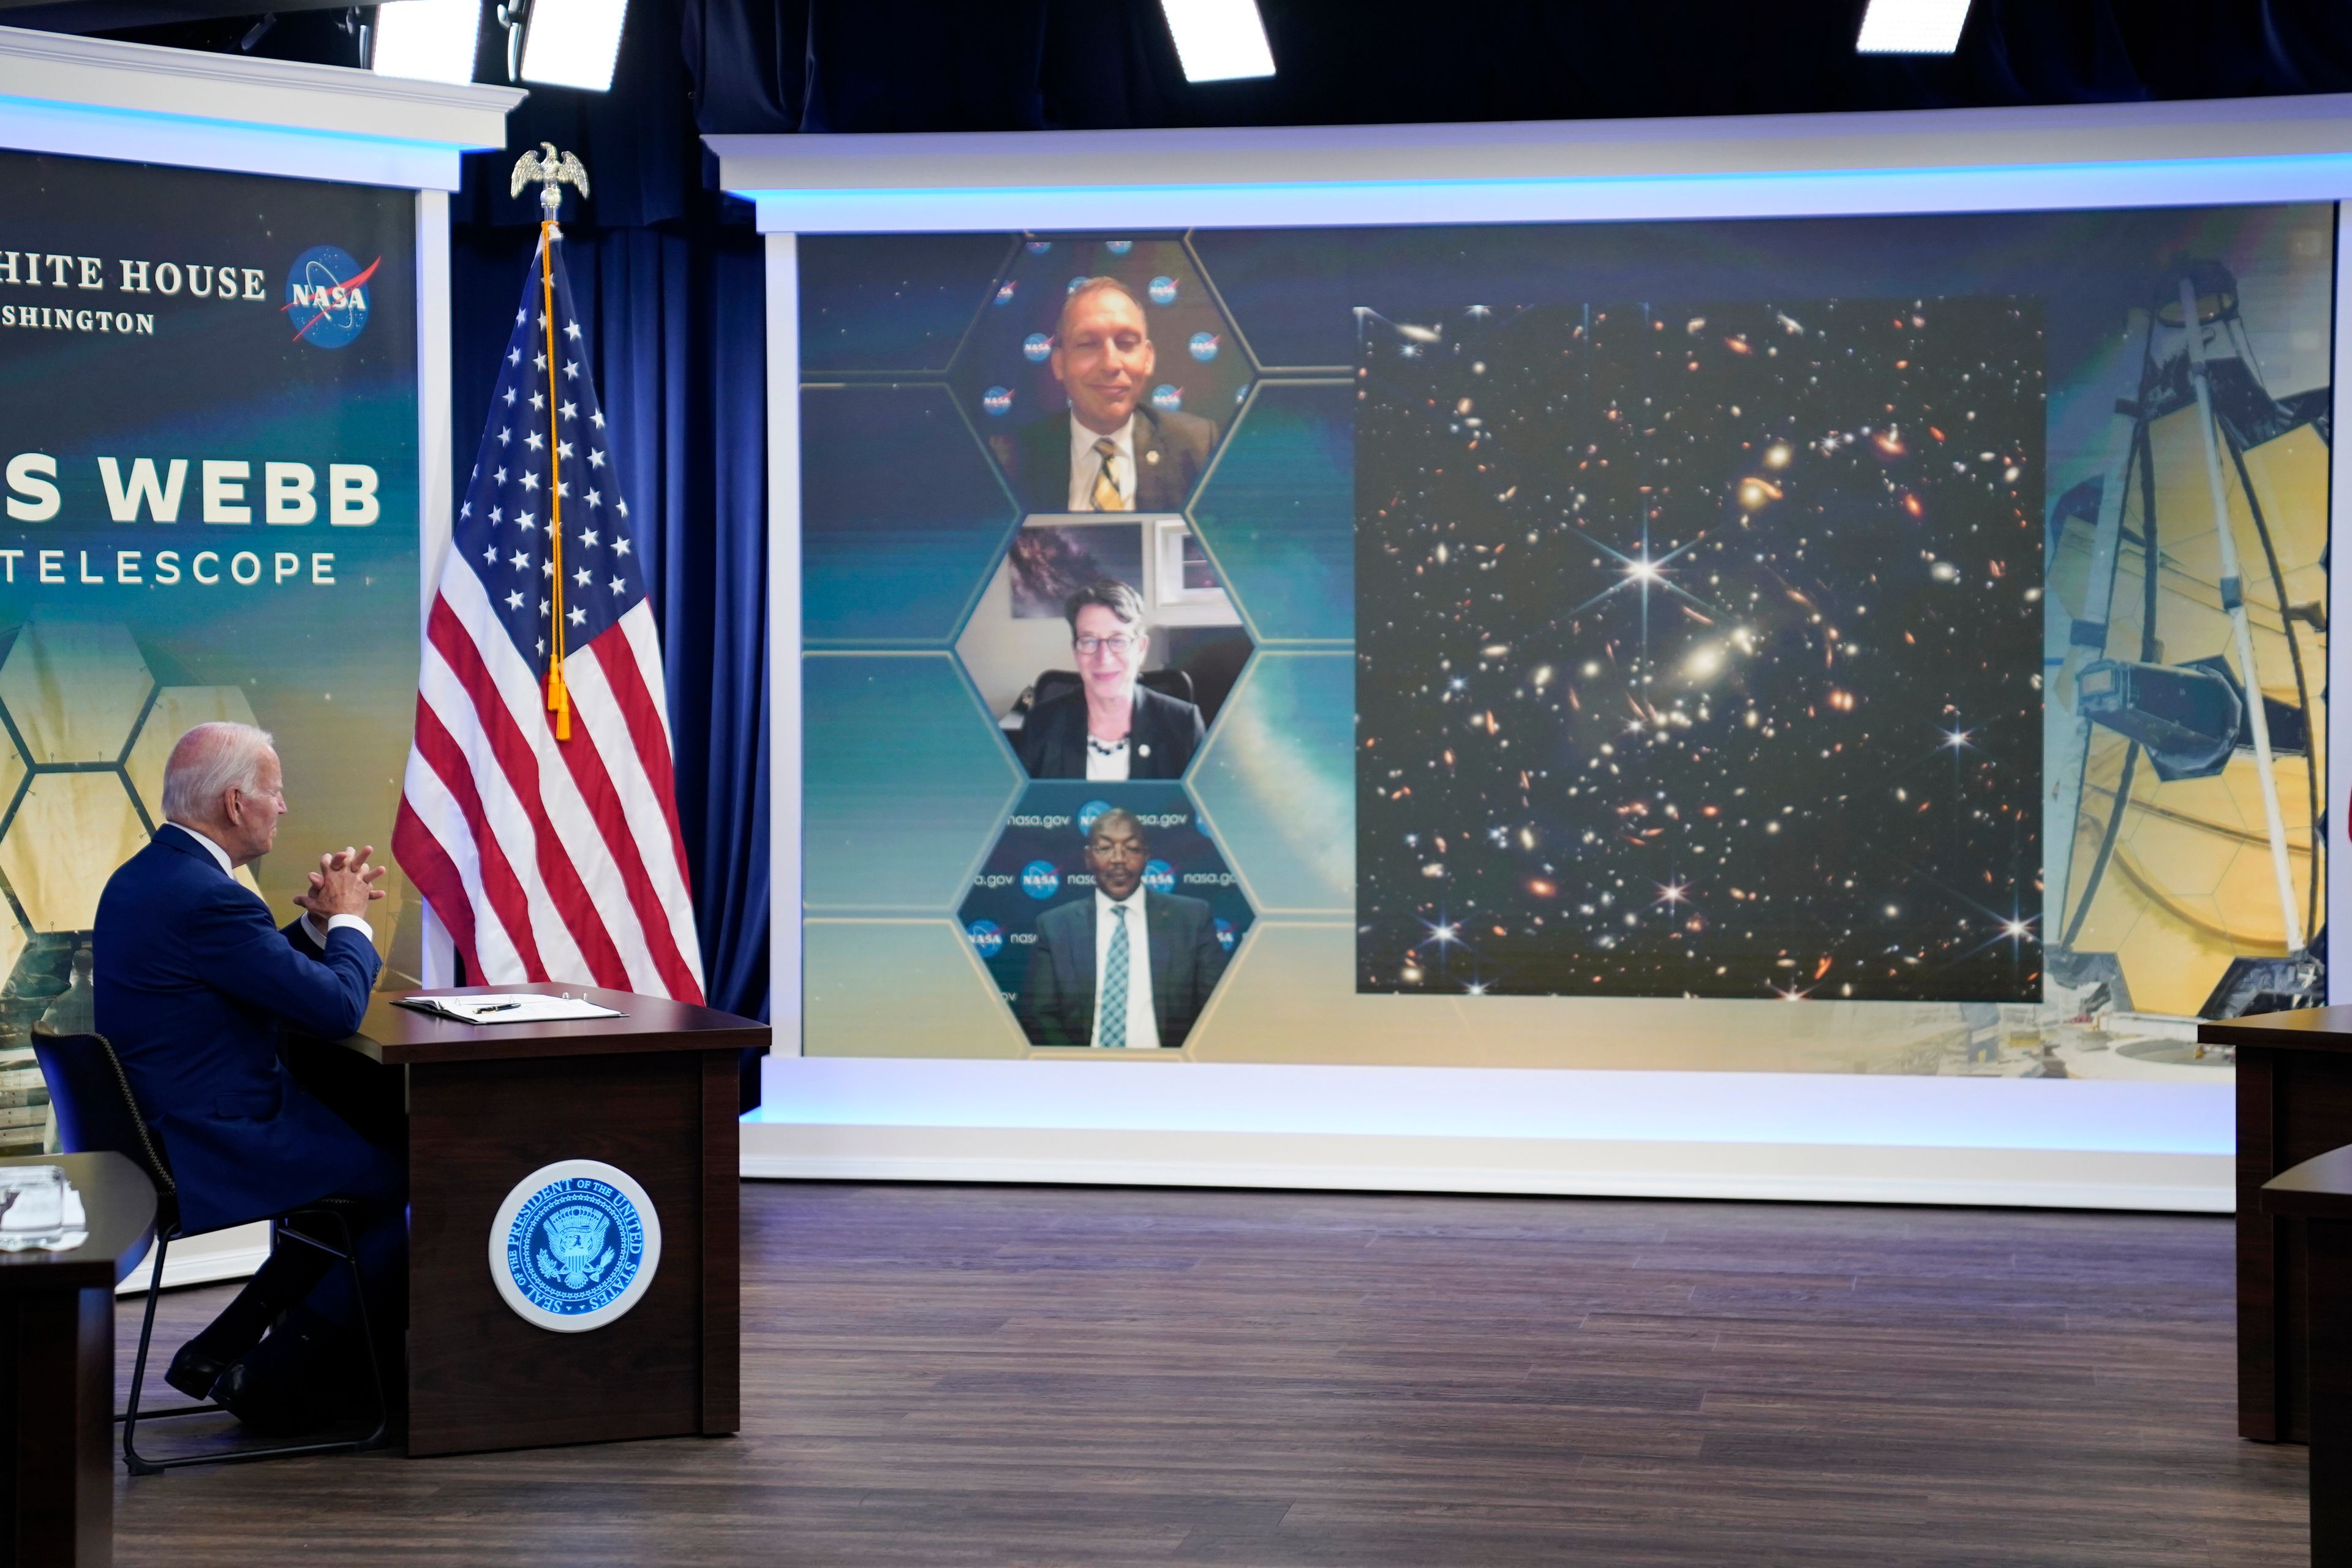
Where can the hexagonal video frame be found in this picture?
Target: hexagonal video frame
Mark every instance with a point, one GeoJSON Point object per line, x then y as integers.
{"type": "Point", "coordinates": [1015, 373]}
{"type": "Point", "coordinates": [1031, 914]}
{"type": "Point", "coordinates": [1036, 678]}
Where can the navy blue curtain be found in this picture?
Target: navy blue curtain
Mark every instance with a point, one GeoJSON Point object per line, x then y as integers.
{"type": "Point", "coordinates": [675, 316]}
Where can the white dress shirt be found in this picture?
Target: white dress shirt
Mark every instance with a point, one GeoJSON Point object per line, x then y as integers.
{"type": "Point", "coordinates": [309, 922]}
{"type": "Point", "coordinates": [1108, 764]}
{"type": "Point", "coordinates": [1142, 1024]}
{"type": "Point", "coordinates": [1086, 462]}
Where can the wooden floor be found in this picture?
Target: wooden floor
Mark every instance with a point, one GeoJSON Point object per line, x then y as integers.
{"type": "Point", "coordinates": [950, 1375]}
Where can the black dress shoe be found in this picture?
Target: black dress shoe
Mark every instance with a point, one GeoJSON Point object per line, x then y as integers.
{"type": "Point", "coordinates": [272, 1408]}
{"type": "Point", "coordinates": [194, 1373]}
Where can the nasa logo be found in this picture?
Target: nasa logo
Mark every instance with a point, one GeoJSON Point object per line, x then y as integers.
{"type": "Point", "coordinates": [1037, 348]}
{"type": "Point", "coordinates": [574, 1246]}
{"type": "Point", "coordinates": [1166, 398]}
{"type": "Point", "coordinates": [1040, 880]}
{"type": "Point", "coordinates": [1162, 290]}
{"type": "Point", "coordinates": [1158, 876]}
{"type": "Point", "coordinates": [1088, 813]}
{"type": "Point", "coordinates": [327, 295]}
{"type": "Point", "coordinates": [1040, 247]}
{"type": "Point", "coordinates": [1005, 295]}
{"type": "Point", "coordinates": [1226, 936]}
{"type": "Point", "coordinates": [1118, 247]}
{"type": "Point", "coordinates": [987, 938]}
{"type": "Point", "coordinates": [997, 400]}
{"type": "Point", "coordinates": [1205, 346]}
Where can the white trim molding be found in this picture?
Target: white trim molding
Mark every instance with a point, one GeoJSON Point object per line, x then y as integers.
{"type": "Point", "coordinates": [784, 904]}
{"type": "Point", "coordinates": [1784, 1173]}
{"type": "Point", "coordinates": [99, 98]}
{"type": "Point", "coordinates": [1949, 160]}
{"type": "Point", "coordinates": [1818, 1137]}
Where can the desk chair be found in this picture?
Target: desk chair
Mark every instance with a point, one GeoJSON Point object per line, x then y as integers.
{"type": "Point", "coordinates": [96, 1111]}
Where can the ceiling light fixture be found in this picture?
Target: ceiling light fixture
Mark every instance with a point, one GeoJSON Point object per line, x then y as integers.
{"type": "Point", "coordinates": [1912, 27]}
{"type": "Point", "coordinates": [429, 40]}
{"type": "Point", "coordinates": [562, 43]}
{"type": "Point", "coordinates": [1219, 40]}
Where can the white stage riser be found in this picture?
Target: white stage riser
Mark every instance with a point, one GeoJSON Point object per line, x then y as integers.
{"type": "Point", "coordinates": [2036, 1178]}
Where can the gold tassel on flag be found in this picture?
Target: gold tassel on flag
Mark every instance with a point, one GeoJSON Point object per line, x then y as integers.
{"type": "Point", "coordinates": [559, 700]}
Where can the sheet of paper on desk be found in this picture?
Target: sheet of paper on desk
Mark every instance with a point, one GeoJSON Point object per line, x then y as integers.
{"type": "Point", "coordinates": [516, 1007]}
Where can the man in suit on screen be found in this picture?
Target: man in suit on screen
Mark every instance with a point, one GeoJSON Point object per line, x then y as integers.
{"type": "Point", "coordinates": [1126, 969]}
{"type": "Point", "coordinates": [197, 987]}
{"type": "Point", "coordinates": [1112, 452]}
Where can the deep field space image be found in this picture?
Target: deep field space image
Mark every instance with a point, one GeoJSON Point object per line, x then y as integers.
{"type": "Point", "coordinates": [1699, 650]}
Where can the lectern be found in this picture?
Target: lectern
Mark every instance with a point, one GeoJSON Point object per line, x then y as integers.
{"type": "Point", "coordinates": [574, 1271]}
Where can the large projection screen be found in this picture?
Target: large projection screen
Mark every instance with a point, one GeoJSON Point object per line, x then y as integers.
{"type": "Point", "coordinates": [1797, 635]}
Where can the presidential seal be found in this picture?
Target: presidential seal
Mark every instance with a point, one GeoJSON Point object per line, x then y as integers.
{"type": "Point", "coordinates": [574, 1246]}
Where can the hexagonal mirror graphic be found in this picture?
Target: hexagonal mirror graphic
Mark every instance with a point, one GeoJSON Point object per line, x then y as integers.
{"type": "Point", "coordinates": [1105, 646]}
{"type": "Point", "coordinates": [1102, 373]}
{"type": "Point", "coordinates": [1077, 862]}
{"type": "Point", "coordinates": [73, 689]}
{"type": "Point", "coordinates": [68, 833]}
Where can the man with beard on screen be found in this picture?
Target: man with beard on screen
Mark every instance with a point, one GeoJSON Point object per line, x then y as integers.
{"type": "Point", "coordinates": [1112, 452]}
{"type": "Point", "coordinates": [1126, 969]}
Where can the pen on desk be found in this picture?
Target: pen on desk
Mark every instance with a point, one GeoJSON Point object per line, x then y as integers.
{"type": "Point", "coordinates": [498, 1007]}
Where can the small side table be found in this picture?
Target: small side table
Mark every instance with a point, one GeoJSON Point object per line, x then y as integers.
{"type": "Point", "coordinates": [57, 1370]}
{"type": "Point", "coordinates": [2319, 1192]}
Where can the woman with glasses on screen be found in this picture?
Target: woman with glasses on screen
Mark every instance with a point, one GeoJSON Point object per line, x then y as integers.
{"type": "Point", "coordinates": [1111, 727]}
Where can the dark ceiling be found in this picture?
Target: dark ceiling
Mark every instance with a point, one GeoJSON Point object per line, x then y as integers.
{"type": "Point", "coordinates": [690, 66]}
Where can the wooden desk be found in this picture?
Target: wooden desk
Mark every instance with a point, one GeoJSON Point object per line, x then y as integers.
{"type": "Point", "coordinates": [2295, 1103]}
{"type": "Point", "coordinates": [57, 1370]}
{"type": "Point", "coordinates": [653, 1093]}
{"type": "Point", "coordinates": [2317, 1195]}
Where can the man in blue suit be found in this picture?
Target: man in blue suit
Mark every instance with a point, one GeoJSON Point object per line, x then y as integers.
{"type": "Point", "coordinates": [1126, 969]}
{"type": "Point", "coordinates": [195, 985]}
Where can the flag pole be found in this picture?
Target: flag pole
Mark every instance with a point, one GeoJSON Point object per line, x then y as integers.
{"type": "Point", "coordinates": [553, 171]}
{"type": "Point", "coordinates": [559, 700]}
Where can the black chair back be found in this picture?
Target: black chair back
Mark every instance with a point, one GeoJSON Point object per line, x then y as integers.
{"type": "Point", "coordinates": [98, 1113]}
{"type": "Point", "coordinates": [1174, 683]}
{"type": "Point", "coordinates": [1051, 683]}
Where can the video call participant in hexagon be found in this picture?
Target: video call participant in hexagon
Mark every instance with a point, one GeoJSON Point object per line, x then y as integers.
{"type": "Point", "coordinates": [1112, 451]}
{"type": "Point", "coordinates": [1126, 969]}
{"type": "Point", "coordinates": [1112, 726]}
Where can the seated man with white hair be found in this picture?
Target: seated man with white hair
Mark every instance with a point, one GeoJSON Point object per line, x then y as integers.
{"type": "Point", "coordinates": [194, 985]}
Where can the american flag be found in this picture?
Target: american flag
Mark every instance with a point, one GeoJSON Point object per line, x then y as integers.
{"type": "Point", "coordinates": [548, 856]}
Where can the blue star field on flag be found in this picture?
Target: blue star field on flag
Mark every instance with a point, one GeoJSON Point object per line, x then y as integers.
{"type": "Point", "coordinates": [538, 446]}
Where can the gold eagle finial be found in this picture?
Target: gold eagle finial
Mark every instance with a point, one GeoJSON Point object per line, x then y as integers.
{"type": "Point", "coordinates": [553, 171]}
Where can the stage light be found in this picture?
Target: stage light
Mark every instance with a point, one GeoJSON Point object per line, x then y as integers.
{"type": "Point", "coordinates": [564, 43]}
{"type": "Point", "coordinates": [1219, 40]}
{"type": "Point", "coordinates": [1912, 27]}
{"type": "Point", "coordinates": [431, 40]}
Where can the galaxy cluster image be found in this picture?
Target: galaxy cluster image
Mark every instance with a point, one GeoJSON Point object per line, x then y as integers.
{"type": "Point", "coordinates": [1699, 650]}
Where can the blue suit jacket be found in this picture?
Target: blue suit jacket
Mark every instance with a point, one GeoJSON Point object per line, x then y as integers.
{"type": "Point", "coordinates": [192, 986]}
